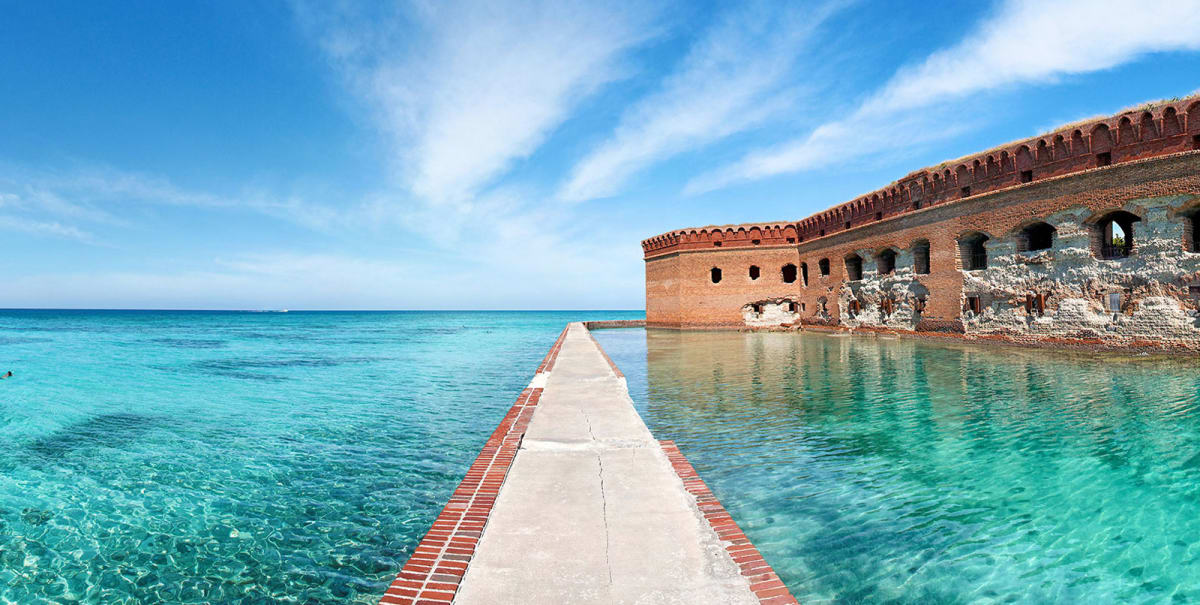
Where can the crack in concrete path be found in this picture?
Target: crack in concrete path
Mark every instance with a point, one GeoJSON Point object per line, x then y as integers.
{"type": "Point", "coordinates": [603, 498]}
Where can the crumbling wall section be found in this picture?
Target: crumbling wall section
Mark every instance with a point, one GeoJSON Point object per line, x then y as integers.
{"type": "Point", "coordinates": [892, 300]}
{"type": "Point", "coordinates": [1147, 295]}
{"type": "Point", "coordinates": [771, 312]}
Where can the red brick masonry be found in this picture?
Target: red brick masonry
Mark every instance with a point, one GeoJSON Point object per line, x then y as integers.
{"type": "Point", "coordinates": [767, 586]}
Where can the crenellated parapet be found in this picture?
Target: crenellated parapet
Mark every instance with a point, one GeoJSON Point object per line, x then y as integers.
{"type": "Point", "coordinates": [1155, 130]}
{"type": "Point", "coordinates": [764, 234]}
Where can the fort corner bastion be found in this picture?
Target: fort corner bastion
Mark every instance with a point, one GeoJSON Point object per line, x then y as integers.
{"type": "Point", "coordinates": [1088, 235]}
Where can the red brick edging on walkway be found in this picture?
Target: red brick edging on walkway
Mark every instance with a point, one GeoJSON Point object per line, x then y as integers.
{"type": "Point", "coordinates": [433, 572]}
{"type": "Point", "coordinates": [611, 365]}
{"type": "Point", "coordinates": [765, 584]}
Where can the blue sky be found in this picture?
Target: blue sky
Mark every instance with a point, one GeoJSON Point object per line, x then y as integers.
{"type": "Point", "coordinates": [469, 155]}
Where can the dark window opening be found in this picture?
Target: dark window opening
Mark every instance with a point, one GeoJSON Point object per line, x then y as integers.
{"type": "Point", "coordinates": [885, 262]}
{"type": "Point", "coordinates": [854, 267]}
{"type": "Point", "coordinates": [715, 275]}
{"type": "Point", "coordinates": [822, 233]}
{"type": "Point", "coordinates": [804, 274]}
{"type": "Point", "coordinates": [1114, 234]}
{"type": "Point", "coordinates": [791, 240]}
{"type": "Point", "coordinates": [879, 216]}
{"type": "Point", "coordinates": [1035, 304]}
{"type": "Point", "coordinates": [886, 306]}
{"type": "Point", "coordinates": [756, 241]}
{"type": "Point", "coordinates": [789, 273]}
{"type": "Point", "coordinates": [757, 308]}
{"type": "Point", "coordinates": [754, 271]}
{"type": "Point", "coordinates": [1196, 142]}
{"type": "Point", "coordinates": [919, 305]}
{"type": "Point", "coordinates": [802, 305]}
{"type": "Point", "coordinates": [921, 258]}
{"type": "Point", "coordinates": [972, 252]}
{"type": "Point", "coordinates": [791, 307]}
{"type": "Point", "coordinates": [1193, 229]}
{"type": "Point", "coordinates": [966, 192]}
{"type": "Point", "coordinates": [1038, 236]}
{"type": "Point", "coordinates": [717, 244]}
{"type": "Point", "coordinates": [847, 224]}
{"type": "Point", "coordinates": [1104, 159]}
{"type": "Point", "coordinates": [974, 304]}
{"type": "Point", "coordinates": [823, 266]}
{"type": "Point", "coordinates": [1026, 176]}
{"type": "Point", "coordinates": [854, 307]}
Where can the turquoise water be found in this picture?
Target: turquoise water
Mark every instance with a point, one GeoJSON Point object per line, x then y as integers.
{"type": "Point", "coordinates": [896, 471]}
{"type": "Point", "coordinates": [241, 457]}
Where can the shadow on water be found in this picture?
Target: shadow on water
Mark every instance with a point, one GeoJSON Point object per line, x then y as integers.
{"type": "Point", "coordinates": [114, 430]}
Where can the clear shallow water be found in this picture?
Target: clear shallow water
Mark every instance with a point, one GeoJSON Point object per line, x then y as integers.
{"type": "Point", "coordinates": [897, 471]}
{"type": "Point", "coordinates": [241, 457]}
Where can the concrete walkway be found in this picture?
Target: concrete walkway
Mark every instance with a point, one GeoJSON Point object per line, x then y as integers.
{"type": "Point", "coordinates": [592, 511]}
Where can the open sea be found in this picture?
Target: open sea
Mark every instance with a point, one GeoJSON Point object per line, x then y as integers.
{"type": "Point", "coordinates": [901, 471]}
{"type": "Point", "coordinates": [230, 457]}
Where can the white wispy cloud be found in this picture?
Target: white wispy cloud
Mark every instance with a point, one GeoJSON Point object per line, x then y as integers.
{"type": "Point", "coordinates": [464, 89]}
{"type": "Point", "coordinates": [1021, 42]}
{"type": "Point", "coordinates": [735, 77]}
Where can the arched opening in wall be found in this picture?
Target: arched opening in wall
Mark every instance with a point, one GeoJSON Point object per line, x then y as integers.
{"type": "Point", "coordinates": [715, 275]}
{"type": "Point", "coordinates": [972, 252]}
{"type": "Point", "coordinates": [885, 261]}
{"type": "Point", "coordinates": [804, 274]}
{"type": "Point", "coordinates": [1037, 236]}
{"type": "Point", "coordinates": [1191, 229]}
{"type": "Point", "coordinates": [789, 273]}
{"type": "Point", "coordinates": [853, 267]}
{"type": "Point", "coordinates": [920, 250]}
{"type": "Point", "coordinates": [823, 266]}
{"type": "Point", "coordinates": [1112, 234]}
{"type": "Point", "coordinates": [754, 271]}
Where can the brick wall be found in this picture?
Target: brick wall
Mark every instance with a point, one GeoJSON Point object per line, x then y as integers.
{"type": "Point", "coordinates": [1154, 176]}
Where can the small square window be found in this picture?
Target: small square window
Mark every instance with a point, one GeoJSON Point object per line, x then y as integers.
{"type": "Point", "coordinates": [1196, 142]}
{"type": "Point", "coordinates": [966, 192]}
{"type": "Point", "coordinates": [1114, 302]}
{"type": "Point", "coordinates": [879, 216]}
{"type": "Point", "coordinates": [1104, 159]}
{"type": "Point", "coordinates": [716, 244]}
{"type": "Point", "coordinates": [1026, 176]}
{"type": "Point", "coordinates": [847, 224]}
{"type": "Point", "coordinates": [974, 305]}
{"type": "Point", "coordinates": [791, 240]}
{"type": "Point", "coordinates": [756, 241]}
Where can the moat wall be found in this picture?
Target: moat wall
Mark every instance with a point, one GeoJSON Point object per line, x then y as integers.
{"type": "Point", "coordinates": [1021, 261]}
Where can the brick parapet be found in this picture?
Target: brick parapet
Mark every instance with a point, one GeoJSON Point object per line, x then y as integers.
{"type": "Point", "coordinates": [1148, 132]}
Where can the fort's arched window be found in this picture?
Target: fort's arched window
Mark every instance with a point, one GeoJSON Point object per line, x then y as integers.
{"type": "Point", "coordinates": [823, 266]}
{"type": "Point", "coordinates": [1191, 229]}
{"type": "Point", "coordinates": [1112, 235]}
{"type": "Point", "coordinates": [804, 274]}
{"type": "Point", "coordinates": [789, 273]}
{"type": "Point", "coordinates": [853, 267]}
{"type": "Point", "coordinates": [754, 271]}
{"type": "Point", "coordinates": [920, 250]}
{"type": "Point", "coordinates": [885, 261]}
{"type": "Point", "coordinates": [972, 252]}
{"type": "Point", "coordinates": [1038, 236]}
{"type": "Point", "coordinates": [715, 275]}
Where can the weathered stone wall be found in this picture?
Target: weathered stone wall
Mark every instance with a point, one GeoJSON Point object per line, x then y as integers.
{"type": "Point", "coordinates": [1059, 293]}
